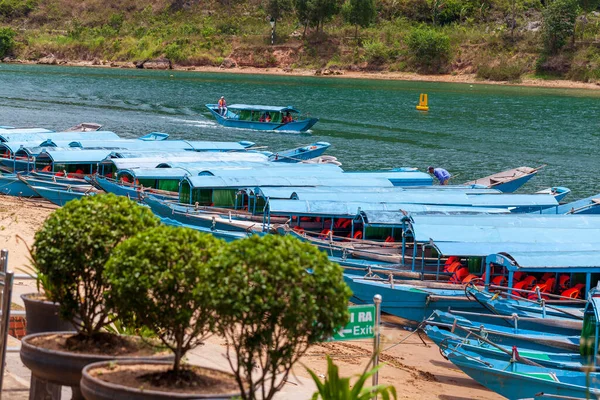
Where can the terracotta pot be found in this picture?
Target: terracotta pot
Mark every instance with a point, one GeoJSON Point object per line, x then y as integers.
{"type": "Point", "coordinates": [62, 367]}
{"type": "Point", "coordinates": [42, 316]}
{"type": "Point", "coordinates": [93, 388]}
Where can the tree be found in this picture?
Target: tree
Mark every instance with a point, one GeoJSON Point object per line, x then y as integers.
{"type": "Point", "coordinates": [512, 8]}
{"type": "Point", "coordinates": [315, 13]}
{"type": "Point", "coordinates": [72, 248]}
{"type": "Point", "coordinates": [162, 280]}
{"type": "Point", "coordinates": [7, 42]}
{"type": "Point", "coordinates": [587, 6]}
{"type": "Point", "coordinates": [429, 48]}
{"type": "Point", "coordinates": [277, 8]}
{"type": "Point", "coordinates": [280, 296]}
{"type": "Point", "coordinates": [559, 23]}
{"type": "Point", "coordinates": [359, 13]}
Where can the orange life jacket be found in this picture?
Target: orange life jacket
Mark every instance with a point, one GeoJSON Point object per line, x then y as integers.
{"type": "Point", "coordinates": [459, 275]}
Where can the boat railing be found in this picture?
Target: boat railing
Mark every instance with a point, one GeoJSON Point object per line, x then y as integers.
{"type": "Point", "coordinates": [525, 291]}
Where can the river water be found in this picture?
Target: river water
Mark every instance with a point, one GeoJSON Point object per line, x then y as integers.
{"type": "Point", "coordinates": [471, 130]}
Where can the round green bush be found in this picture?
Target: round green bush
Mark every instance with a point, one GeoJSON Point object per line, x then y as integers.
{"type": "Point", "coordinates": [73, 246]}
{"type": "Point", "coordinates": [162, 279]}
{"type": "Point", "coordinates": [429, 49]}
{"type": "Point", "coordinates": [279, 295]}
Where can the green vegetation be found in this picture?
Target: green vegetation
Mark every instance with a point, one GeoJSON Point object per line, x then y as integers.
{"type": "Point", "coordinates": [335, 387]}
{"type": "Point", "coordinates": [72, 247]}
{"type": "Point", "coordinates": [556, 38]}
{"type": "Point", "coordinates": [7, 42]}
{"type": "Point", "coordinates": [271, 308]}
{"type": "Point", "coordinates": [161, 280]}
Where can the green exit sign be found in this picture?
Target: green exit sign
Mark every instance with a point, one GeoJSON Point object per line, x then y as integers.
{"type": "Point", "coordinates": [361, 325]}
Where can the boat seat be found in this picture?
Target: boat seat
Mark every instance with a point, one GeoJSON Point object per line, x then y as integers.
{"type": "Point", "coordinates": [358, 235]}
{"type": "Point", "coordinates": [564, 282]}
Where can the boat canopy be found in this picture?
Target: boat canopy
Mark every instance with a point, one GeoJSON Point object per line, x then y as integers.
{"type": "Point", "coordinates": [275, 170]}
{"type": "Point", "coordinates": [352, 208]}
{"type": "Point", "coordinates": [513, 220]}
{"type": "Point", "coordinates": [396, 218]}
{"type": "Point", "coordinates": [554, 261]}
{"type": "Point", "coordinates": [508, 228]}
{"type": "Point", "coordinates": [73, 156]}
{"type": "Point", "coordinates": [4, 130]}
{"type": "Point", "coordinates": [154, 173]}
{"type": "Point", "coordinates": [483, 249]}
{"type": "Point", "coordinates": [57, 136]}
{"type": "Point", "coordinates": [260, 181]}
{"type": "Point", "coordinates": [247, 107]}
{"type": "Point", "coordinates": [398, 178]}
{"type": "Point", "coordinates": [164, 145]}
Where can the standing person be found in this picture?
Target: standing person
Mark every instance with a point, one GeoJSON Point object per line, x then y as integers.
{"type": "Point", "coordinates": [222, 106]}
{"type": "Point", "coordinates": [440, 173]}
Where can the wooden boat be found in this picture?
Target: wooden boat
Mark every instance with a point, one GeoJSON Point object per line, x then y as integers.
{"type": "Point", "coordinates": [300, 154]}
{"type": "Point", "coordinates": [487, 349]}
{"type": "Point", "coordinates": [61, 196]}
{"type": "Point", "coordinates": [542, 338]}
{"type": "Point", "coordinates": [507, 181]}
{"type": "Point", "coordinates": [517, 378]}
{"type": "Point", "coordinates": [228, 236]}
{"type": "Point", "coordinates": [253, 117]}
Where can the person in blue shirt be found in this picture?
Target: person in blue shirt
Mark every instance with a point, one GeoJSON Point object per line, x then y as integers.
{"type": "Point", "coordinates": [441, 174]}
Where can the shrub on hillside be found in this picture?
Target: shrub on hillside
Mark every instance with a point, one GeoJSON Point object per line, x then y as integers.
{"type": "Point", "coordinates": [429, 49]}
{"type": "Point", "coordinates": [503, 71]}
{"type": "Point", "coordinates": [7, 41]}
{"type": "Point", "coordinates": [375, 52]}
{"type": "Point", "coordinates": [16, 8]}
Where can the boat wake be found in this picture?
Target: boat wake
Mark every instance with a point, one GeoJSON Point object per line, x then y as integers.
{"type": "Point", "coordinates": [196, 123]}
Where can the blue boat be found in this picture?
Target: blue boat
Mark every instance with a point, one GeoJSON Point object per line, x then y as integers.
{"type": "Point", "coordinates": [298, 154]}
{"type": "Point", "coordinates": [11, 185]}
{"type": "Point", "coordinates": [488, 349]}
{"type": "Point", "coordinates": [507, 181]}
{"type": "Point", "coordinates": [262, 118]}
{"type": "Point", "coordinates": [228, 236]}
{"type": "Point", "coordinates": [60, 197]}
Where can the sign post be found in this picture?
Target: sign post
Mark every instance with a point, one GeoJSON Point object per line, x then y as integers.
{"type": "Point", "coordinates": [377, 338]}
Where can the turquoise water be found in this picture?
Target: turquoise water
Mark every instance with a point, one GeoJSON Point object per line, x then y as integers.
{"type": "Point", "coordinates": [471, 130]}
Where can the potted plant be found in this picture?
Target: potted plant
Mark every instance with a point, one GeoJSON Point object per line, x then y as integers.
{"type": "Point", "coordinates": [42, 314]}
{"type": "Point", "coordinates": [70, 251]}
{"type": "Point", "coordinates": [278, 296]}
{"type": "Point", "coordinates": [163, 279]}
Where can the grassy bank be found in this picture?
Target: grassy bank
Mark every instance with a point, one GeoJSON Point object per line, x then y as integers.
{"type": "Point", "coordinates": [402, 38]}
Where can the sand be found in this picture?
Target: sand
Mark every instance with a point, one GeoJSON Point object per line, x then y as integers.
{"type": "Point", "coordinates": [415, 368]}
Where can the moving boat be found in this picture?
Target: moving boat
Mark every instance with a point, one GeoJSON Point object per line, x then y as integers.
{"type": "Point", "coordinates": [262, 118]}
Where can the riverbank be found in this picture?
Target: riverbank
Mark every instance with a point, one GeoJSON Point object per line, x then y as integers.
{"type": "Point", "coordinates": [415, 367]}
{"type": "Point", "coordinates": [527, 81]}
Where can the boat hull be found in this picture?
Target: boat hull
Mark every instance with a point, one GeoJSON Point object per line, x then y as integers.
{"type": "Point", "coordinates": [11, 185]}
{"type": "Point", "coordinates": [59, 197]}
{"type": "Point", "coordinates": [296, 126]}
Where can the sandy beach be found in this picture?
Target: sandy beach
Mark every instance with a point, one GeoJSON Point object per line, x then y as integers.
{"type": "Point", "coordinates": [415, 367]}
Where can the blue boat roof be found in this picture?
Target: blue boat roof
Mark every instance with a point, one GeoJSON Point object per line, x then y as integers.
{"type": "Point", "coordinates": [400, 177]}
{"type": "Point", "coordinates": [260, 181]}
{"type": "Point", "coordinates": [395, 218]}
{"type": "Point", "coordinates": [10, 130]}
{"type": "Point", "coordinates": [58, 136]}
{"type": "Point", "coordinates": [506, 228]}
{"type": "Point", "coordinates": [182, 159]}
{"type": "Point", "coordinates": [250, 107]}
{"type": "Point", "coordinates": [352, 208]}
{"type": "Point", "coordinates": [570, 261]}
{"type": "Point", "coordinates": [155, 173]}
{"type": "Point", "coordinates": [275, 170]}
{"type": "Point", "coordinates": [74, 156]}
{"type": "Point", "coordinates": [483, 249]}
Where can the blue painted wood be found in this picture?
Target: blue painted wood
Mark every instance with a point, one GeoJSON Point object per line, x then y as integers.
{"type": "Point", "coordinates": [232, 122]}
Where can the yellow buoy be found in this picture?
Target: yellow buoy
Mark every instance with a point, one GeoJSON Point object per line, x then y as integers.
{"type": "Point", "coordinates": [423, 102]}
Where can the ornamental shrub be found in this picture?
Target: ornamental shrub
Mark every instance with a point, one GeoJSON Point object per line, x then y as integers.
{"type": "Point", "coordinates": [279, 295]}
{"type": "Point", "coordinates": [429, 49]}
{"type": "Point", "coordinates": [72, 248]}
{"type": "Point", "coordinates": [162, 279]}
